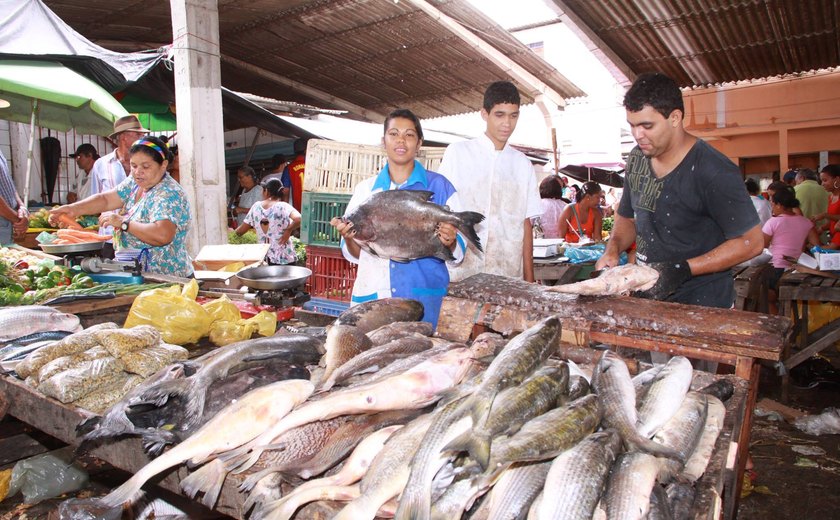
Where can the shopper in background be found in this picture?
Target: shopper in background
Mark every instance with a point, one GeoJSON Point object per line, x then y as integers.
{"type": "Point", "coordinates": [274, 221]}
{"type": "Point", "coordinates": [762, 207]}
{"type": "Point", "coordinates": [296, 170]}
{"type": "Point", "coordinates": [252, 192]}
{"type": "Point", "coordinates": [830, 177]}
{"type": "Point", "coordinates": [85, 157]}
{"type": "Point", "coordinates": [551, 199]}
{"type": "Point", "coordinates": [583, 218]}
{"type": "Point", "coordinates": [14, 217]}
{"type": "Point", "coordinates": [813, 199]}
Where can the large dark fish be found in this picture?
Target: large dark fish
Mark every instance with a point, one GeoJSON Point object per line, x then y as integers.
{"type": "Point", "coordinates": [369, 316]}
{"type": "Point", "coordinates": [402, 225]}
{"type": "Point", "coordinates": [293, 348]}
{"type": "Point", "coordinates": [34, 338]}
{"type": "Point", "coordinates": [388, 333]}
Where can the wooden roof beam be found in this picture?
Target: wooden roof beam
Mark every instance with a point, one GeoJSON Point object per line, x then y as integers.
{"type": "Point", "coordinates": [314, 93]}
{"type": "Point", "coordinates": [622, 73]}
{"type": "Point", "coordinates": [534, 85]}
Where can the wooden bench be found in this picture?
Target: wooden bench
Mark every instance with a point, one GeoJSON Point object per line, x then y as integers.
{"type": "Point", "coordinates": [751, 285]}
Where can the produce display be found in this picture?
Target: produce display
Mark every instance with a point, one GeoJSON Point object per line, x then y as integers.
{"type": "Point", "coordinates": [250, 237]}
{"type": "Point", "coordinates": [40, 220]}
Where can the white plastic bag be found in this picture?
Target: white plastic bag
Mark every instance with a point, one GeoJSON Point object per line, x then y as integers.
{"type": "Point", "coordinates": [827, 422]}
{"type": "Point", "coordinates": [47, 476]}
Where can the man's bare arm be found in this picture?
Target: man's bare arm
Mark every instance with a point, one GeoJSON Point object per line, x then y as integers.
{"type": "Point", "coordinates": [623, 235]}
{"type": "Point", "coordinates": [730, 253]}
{"type": "Point", "coordinates": [527, 251]}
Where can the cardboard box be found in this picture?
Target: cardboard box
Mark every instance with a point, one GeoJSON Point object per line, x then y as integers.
{"type": "Point", "coordinates": [213, 258]}
{"type": "Point", "coordinates": [828, 261]}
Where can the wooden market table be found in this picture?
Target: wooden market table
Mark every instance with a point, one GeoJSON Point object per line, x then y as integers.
{"type": "Point", "coordinates": [795, 290]}
{"type": "Point", "coordinates": [725, 336]}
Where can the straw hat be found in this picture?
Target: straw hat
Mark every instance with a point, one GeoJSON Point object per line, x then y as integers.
{"type": "Point", "coordinates": [128, 123]}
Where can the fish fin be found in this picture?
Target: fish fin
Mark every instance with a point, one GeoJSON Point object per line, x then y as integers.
{"type": "Point", "coordinates": [654, 448]}
{"type": "Point", "coordinates": [476, 442]}
{"type": "Point", "coordinates": [253, 479]}
{"type": "Point", "coordinates": [88, 425]}
{"type": "Point", "coordinates": [160, 393]}
{"type": "Point", "coordinates": [155, 441]}
{"type": "Point", "coordinates": [401, 260]}
{"type": "Point", "coordinates": [466, 225]}
{"type": "Point", "coordinates": [207, 479]}
{"type": "Point", "coordinates": [117, 427]}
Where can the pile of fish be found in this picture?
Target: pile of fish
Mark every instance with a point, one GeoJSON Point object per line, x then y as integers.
{"type": "Point", "coordinates": [399, 423]}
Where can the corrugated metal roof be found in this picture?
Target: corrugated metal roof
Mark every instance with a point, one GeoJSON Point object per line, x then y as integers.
{"type": "Point", "coordinates": [377, 54]}
{"type": "Point", "coordinates": [705, 42]}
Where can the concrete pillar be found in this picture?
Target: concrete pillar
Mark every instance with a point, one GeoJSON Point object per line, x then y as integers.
{"type": "Point", "coordinates": [198, 96]}
{"type": "Point", "coordinates": [784, 155]}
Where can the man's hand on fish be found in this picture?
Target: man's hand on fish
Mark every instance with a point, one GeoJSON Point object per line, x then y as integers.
{"type": "Point", "coordinates": [671, 276]}
{"type": "Point", "coordinates": [446, 232]}
{"type": "Point", "coordinates": [607, 260]}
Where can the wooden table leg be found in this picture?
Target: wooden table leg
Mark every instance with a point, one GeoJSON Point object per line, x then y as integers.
{"type": "Point", "coordinates": [745, 368]}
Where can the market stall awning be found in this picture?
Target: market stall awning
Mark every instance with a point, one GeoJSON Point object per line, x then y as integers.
{"type": "Point", "coordinates": [589, 173]}
{"type": "Point", "coordinates": [60, 98]}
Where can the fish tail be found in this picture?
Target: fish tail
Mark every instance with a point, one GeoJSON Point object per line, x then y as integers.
{"type": "Point", "coordinates": [131, 488]}
{"type": "Point", "coordinates": [208, 479]}
{"type": "Point", "coordinates": [265, 493]}
{"type": "Point", "coordinates": [417, 506]}
{"type": "Point", "coordinates": [476, 442]}
{"type": "Point", "coordinates": [466, 225]}
{"type": "Point", "coordinates": [154, 441]}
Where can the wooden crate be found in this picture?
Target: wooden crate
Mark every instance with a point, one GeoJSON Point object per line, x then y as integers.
{"type": "Point", "coordinates": [333, 167]}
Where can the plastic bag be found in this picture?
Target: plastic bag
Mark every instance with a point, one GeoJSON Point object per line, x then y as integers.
{"type": "Point", "coordinates": [72, 344]}
{"type": "Point", "coordinates": [190, 290]}
{"type": "Point", "coordinates": [580, 255]}
{"type": "Point", "coordinates": [78, 382]}
{"type": "Point", "coordinates": [226, 332]}
{"type": "Point", "coordinates": [47, 475]}
{"type": "Point", "coordinates": [122, 341]}
{"type": "Point", "coordinates": [151, 359]}
{"type": "Point", "coordinates": [179, 319]}
{"type": "Point", "coordinates": [266, 323]}
{"type": "Point", "coordinates": [104, 397]}
{"type": "Point", "coordinates": [827, 422]}
{"type": "Point", "coordinates": [61, 364]}
{"type": "Point", "coordinates": [222, 309]}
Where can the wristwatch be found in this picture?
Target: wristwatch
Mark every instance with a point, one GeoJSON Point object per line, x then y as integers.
{"type": "Point", "coordinates": [124, 225]}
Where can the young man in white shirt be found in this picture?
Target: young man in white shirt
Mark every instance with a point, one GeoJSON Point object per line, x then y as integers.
{"type": "Point", "coordinates": [499, 182]}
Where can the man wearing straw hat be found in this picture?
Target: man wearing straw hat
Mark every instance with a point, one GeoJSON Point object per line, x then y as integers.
{"type": "Point", "coordinates": [110, 170]}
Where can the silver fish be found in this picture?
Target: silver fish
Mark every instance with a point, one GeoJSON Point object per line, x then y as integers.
{"type": "Point", "coordinates": [613, 281]}
{"type": "Point", "coordinates": [548, 435]}
{"type": "Point", "coordinates": [617, 398]}
{"type": "Point", "coordinates": [414, 388]}
{"type": "Point", "coordinates": [696, 464]}
{"type": "Point", "coordinates": [682, 432]}
{"type": "Point", "coordinates": [375, 358]}
{"type": "Point", "coordinates": [577, 477]}
{"type": "Point", "coordinates": [258, 409]}
{"type": "Point", "coordinates": [659, 507]}
{"type": "Point", "coordinates": [516, 489]}
{"type": "Point", "coordinates": [353, 469]}
{"type": "Point", "coordinates": [390, 332]}
{"type": "Point", "coordinates": [515, 406]}
{"type": "Point", "coordinates": [448, 422]}
{"type": "Point", "coordinates": [630, 484]}
{"type": "Point", "coordinates": [16, 322]}
{"type": "Point", "coordinates": [664, 396]}
{"type": "Point", "coordinates": [402, 225]}
{"type": "Point", "coordinates": [517, 360]}
{"type": "Point", "coordinates": [388, 473]}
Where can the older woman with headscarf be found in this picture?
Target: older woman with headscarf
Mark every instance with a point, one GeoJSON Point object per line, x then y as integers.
{"type": "Point", "coordinates": [154, 211]}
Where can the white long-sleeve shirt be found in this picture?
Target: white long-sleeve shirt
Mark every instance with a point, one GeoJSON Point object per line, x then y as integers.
{"type": "Point", "coordinates": [502, 186]}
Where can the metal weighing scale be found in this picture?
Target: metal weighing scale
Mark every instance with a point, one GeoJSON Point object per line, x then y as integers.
{"type": "Point", "coordinates": [276, 285]}
{"type": "Point", "coordinates": [86, 257]}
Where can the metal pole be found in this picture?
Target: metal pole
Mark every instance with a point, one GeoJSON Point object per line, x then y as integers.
{"type": "Point", "coordinates": [28, 175]}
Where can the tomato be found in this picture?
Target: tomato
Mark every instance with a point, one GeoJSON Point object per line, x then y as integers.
{"type": "Point", "coordinates": [21, 265]}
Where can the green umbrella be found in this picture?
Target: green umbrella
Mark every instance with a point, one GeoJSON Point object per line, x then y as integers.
{"type": "Point", "coordinates": [154, 115]}
{"type": "Point", "coordinates": [50, 95]}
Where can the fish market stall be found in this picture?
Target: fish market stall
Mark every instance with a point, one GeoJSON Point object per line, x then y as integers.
{"type": "Point", "coordinates": [488, 302]}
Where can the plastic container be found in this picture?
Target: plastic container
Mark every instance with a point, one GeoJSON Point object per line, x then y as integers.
{"type": "Point", "coordinates": [332, 275]}
{"type": "Point", "coordinates": [324, 306]}
{"type": "Point", "coordinates": [333, 167]}
{"type": "Point", "coordinates": [317, 209]}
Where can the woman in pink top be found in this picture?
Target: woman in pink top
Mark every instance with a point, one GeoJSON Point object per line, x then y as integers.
{"type": "Point", "coordinates": [785, 235]}
{"type": "Point", "coordinates": [551, 193]}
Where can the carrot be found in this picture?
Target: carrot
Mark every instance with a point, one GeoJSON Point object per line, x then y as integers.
{"type": "Point", "coordinates": [68, 222]}
{"type": "Point", "coordinates": [86, 236]}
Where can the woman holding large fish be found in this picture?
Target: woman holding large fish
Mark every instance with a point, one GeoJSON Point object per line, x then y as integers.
{"type": "Point", "coordinates": [396, 229]}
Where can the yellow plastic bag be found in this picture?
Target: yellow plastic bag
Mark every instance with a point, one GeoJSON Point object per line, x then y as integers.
{"type": "Point", "coordinates": [222, 309]}
{"type": "Point", "coordinates": [226, 332]}
{"type": "Point", "coordinates": [266, 323]}
{"type": "Point", "coordinates": [179, 319]}
{"type": "Point", "coordinates": [190, 290]}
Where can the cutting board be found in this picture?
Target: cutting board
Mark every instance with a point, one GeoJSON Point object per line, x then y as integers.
{"type": "Point", "coordinates": [214, 257]}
